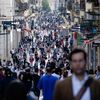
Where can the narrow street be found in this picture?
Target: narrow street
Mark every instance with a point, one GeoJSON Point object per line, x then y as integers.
{"type": "Point", "coordinates": [49, 49]}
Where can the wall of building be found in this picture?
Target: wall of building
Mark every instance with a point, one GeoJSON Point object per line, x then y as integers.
{"type": "Point", "coordinates": [54, 4]}
{"type": "Point", "coordinates": [7, 8]}
{"type": "Point", "coordinates": [92, 48]}
{"type": "Point", "coordinates": [7, 41]}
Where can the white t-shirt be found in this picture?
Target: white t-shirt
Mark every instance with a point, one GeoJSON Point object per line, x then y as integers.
{"type": "Point", "coordinates": [77, 85]}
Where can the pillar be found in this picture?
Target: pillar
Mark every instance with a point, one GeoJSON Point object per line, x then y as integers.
{"type": "Point", "coordinates": [98, 55]}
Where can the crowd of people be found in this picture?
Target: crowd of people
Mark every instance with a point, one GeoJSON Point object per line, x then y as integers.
{"type": "Point", "coordinates": [41, 59]}
{"type": "Point", "coordinates": [45, 47]}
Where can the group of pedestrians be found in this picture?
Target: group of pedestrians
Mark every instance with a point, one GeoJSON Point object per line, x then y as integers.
{"type": "Point", "coordinates": [41, 64]}
{"type": "Point", "coordinates": [43, 53]}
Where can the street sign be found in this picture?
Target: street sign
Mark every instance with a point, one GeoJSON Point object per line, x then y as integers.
{"type": "Point", "coordinates": [8, 23]}
{"type": "Point", "coordinates": [96, 44]}
{"type": "Point", "coordinates": [18, 18]}
{"type": "Point", "coordinates": [97, 41]}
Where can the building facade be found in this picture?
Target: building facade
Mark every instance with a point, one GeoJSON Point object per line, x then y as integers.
{"type": "Point", "coordinates": [54, 4]}
{"type": "Point", "coordinates": [8, 35]}
{"type": "Point", "coordinates": [86, 15]}
{"type": "Point", "coordinates": [90, 26]}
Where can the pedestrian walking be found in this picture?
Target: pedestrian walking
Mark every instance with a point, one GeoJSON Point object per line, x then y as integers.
{"type": "Point", "coordinates": [79, 86]}
{"type": "Point", "coordinates": [47, 84]}
{"type": "Point", "coordinates": [98, 73]}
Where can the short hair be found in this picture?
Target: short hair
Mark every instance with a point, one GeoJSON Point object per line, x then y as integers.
{"type": "Point", "coordinates": [77, 50]}
{"type": "Point", "coordinates": [98, 67]}
{"type": "Point", "coordinates": [15, 91]}
{"type": "Point", "coordinates": [49, 69]}
{"type": "Point", "coordinates": [36, 70]}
